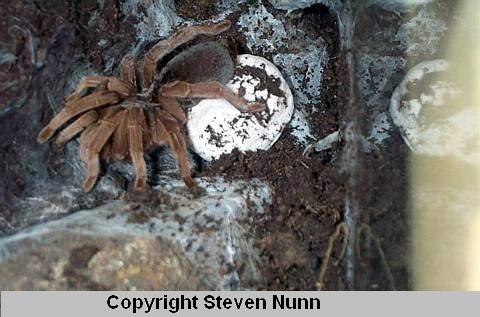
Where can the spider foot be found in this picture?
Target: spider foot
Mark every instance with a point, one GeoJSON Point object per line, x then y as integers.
{"type": "Point", "coordinates": [139, 184]}
{"type": "Point", "coordinates": [138, 190]}
{"type": "Point", "coordinates": [88, 183]}
{"type": "Point", "coordinates": [134, 195]}
{"type": "Point", "coordinates": [190, 182]}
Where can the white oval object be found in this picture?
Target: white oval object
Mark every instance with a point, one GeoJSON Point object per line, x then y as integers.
{"type": "Point", "coordinates": [430, 124]}
{"type": "Point", "coordinates": [216, 127]}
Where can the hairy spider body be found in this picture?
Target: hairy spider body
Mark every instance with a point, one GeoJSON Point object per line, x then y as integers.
{"type": "Point", "coordinates": [120, 119]}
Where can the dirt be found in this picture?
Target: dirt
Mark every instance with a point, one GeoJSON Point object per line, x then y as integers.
{"type": "Point", "coordinates": [308, 190]}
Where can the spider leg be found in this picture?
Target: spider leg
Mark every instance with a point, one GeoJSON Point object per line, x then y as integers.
{"type": "Point", "coordinates": [212, 89]}
{"type": "Point", "coordinates": [168, 132]}
{"type": "Point", "coordinates": [167, 120]}
{"type": "Point", "coordinates": [85, 83]}
{"type": "Point", "coordinates": [85, 138]}
{"type": "Point", "coordinates": [90, 82]}
{"type": "Point", "coordinates": [172, 106]}
{"type": "Point", "coordinates": [160, 133]}
{"type": "Point", "coordinates": [80, 106]}
{"type": "Point", "coordinates": [135, 144]}
{"type": "Point", "coordinates": [103, 86]}
{"type": "Point", "coordinates": [106, 151]}
{"type": "Point", "coordinates": [95, 142]}
{"type": "Point", "coordinates": [92, 162]}
{"type": "Point", "coordinates": [107, 112]}
{"type": "Point", "coordinates": [179, 147]}
{"type": "Point", "coordinates": [100, 83]}
{"type": "Point", "coordinates": [182, 36]}
{"type": "Point", "coordinates": [127, 70]}
{"type": "Point", "coordinates": [120, 138]}
{"type": "Point", "coordinates": [154, 128]}
{"type": "Point", "coordinates": [76, 127]}
{"type": "Point", "coordinates": [146, 133]}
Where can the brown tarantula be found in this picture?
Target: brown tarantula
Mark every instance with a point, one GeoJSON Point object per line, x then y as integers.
{"type": "Point", "coordinates": [120, 119]}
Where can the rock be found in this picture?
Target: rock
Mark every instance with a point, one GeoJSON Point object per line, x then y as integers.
{"type": "Point", "coordinates": [169, 239]}
{"type": "Point", "coordinates": [67, 260]}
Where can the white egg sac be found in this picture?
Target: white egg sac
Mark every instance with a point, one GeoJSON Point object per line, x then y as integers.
{"type": "Point", "coordinates": [431, 117]}
{"type": "Point", "coordinates": [216, 127]}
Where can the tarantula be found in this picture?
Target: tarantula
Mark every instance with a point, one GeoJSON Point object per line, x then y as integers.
{"type": "Point", "coordinates": [119, 118]}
